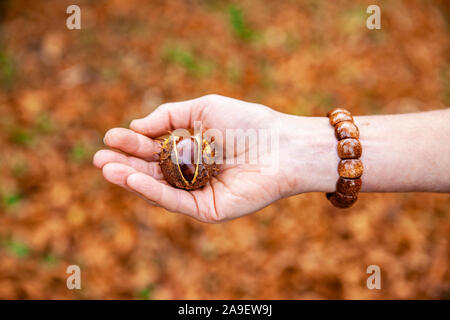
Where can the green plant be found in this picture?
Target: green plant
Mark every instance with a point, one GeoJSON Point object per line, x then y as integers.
{"type": "Point", "coordinates": [185, 58]}
{"type": "Point", "coordinates": [49, 259]}
{"type": "Point", "coordinates": [146, 293]}
{"type": "Point", "coordinates": [44, 123]}
{"type": "Point", "coordinates": [238, 24]}
{"type": "Point", "coordinates": [21, 136]}
{"type": "Point", "coordinates": [7, 70]}
{"type": "Point", "coordinates": [78, 153]}
{"type": "Point", "coordinates": [11, 199]}
{"type": "Point", "coordinates": [17, 248]}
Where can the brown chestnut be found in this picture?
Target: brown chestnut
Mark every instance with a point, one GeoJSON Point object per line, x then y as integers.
{"type": "Point", "coordinates": [187, 162]}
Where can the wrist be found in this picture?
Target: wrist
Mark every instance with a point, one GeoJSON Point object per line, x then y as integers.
{"type": "Point", "coordinates": [309, 158]}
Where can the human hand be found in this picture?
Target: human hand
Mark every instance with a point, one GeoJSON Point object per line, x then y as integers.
{"type": "Point", "coordinates": [239, 189]}
{"type": "Point", "coordinates": [306, 157]}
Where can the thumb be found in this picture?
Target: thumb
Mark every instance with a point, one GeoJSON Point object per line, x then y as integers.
{"type": "Point", "coordinates": [170, 116]}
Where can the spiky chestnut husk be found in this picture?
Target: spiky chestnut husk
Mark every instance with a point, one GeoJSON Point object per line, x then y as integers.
{"type": "Point", "coordinates": [173, 171]}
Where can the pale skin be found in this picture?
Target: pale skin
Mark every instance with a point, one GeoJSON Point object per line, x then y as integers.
{"type": "Point", "coordinates": [401, 153]}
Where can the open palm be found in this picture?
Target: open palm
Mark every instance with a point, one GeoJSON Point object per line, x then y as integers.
{"type": "Point", "coordinates": [238, 189]}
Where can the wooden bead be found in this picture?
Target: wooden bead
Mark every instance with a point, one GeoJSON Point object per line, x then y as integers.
{"type": "Point", "coordinates": [340, 200]}
{"type": "Point", "coordinates": [346, 129]}
{"type": "Point", "coordinates": [338, 117]}
{"type": "Point", "coordinates": [350, 168]}
{"type": "Point", "coordinates": [349, 187]}
{"type": "Point", "coordinates": [349, 148]}
{"type": "Point", "coordinates": [336, 110]}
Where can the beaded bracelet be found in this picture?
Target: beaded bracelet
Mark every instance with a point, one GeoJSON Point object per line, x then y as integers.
{"type": "Point", "coordinates": [350, 168]}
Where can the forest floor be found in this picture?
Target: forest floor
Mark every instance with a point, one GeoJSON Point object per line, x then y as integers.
{"type": "Point", "coordinates": [61, 90]}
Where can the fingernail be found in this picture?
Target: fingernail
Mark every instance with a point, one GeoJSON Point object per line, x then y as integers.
{"type": "Point", "coordinates": [134, 123]}
{"type": "Point", "coordinates": [130, 178]}
{"type": "Point", "coordinates": [104, 137]}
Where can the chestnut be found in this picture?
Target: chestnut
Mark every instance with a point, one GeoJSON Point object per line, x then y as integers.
{"type": "Point", "coordinates": [187, 162]}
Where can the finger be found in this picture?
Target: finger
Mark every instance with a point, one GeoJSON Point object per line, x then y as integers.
{"type": "Point", "coordinates": [170, 116]}
{"type": "Point", "coordinates": [168, 197]}
{"type": "Point", "coordinates": [118, 173]}
{"type": "Point", "coordinates": [103, 157]}
{"type": "Point", "coordinates": [132, 143]}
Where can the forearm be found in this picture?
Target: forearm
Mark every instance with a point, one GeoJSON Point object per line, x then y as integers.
{"type": "Point", "coordinates": [401, 153]}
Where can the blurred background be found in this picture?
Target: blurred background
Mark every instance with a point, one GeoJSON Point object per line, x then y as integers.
{"type": "Point", "coordinates": [61, 90]}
